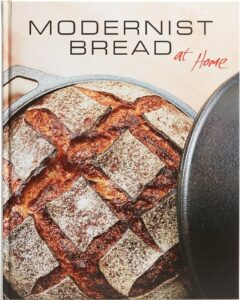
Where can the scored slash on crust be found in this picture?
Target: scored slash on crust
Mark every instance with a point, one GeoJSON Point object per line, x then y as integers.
{"type": "Point", "coordinates": [14, 181]}
{"type": "Point", "coordinates": [75, 157]}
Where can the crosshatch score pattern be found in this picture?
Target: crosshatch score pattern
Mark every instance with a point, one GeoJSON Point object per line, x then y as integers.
{"type": "Point", "coordinates": [89, 188]}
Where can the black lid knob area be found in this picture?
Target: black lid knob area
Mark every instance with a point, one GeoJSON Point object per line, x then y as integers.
{"type": "Point", "coordinates": [208, 204]}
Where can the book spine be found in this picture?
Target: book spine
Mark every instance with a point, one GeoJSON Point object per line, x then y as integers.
{"type": "Point", "coordinates": [6, 48]}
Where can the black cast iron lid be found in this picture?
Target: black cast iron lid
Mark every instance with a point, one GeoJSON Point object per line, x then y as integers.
{"type": "Point", "coordinates": [208, 203]}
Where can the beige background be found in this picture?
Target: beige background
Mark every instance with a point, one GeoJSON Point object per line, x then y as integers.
{"type": "Point", "coordinates": [51, 53]}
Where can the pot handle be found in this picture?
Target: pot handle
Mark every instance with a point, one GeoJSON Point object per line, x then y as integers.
{"type": "Point", "coordinates": [40, 77]}
{"type": "Point", "coordinates": [46, 82]}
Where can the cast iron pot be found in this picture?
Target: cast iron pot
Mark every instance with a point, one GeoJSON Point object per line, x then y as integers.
{"type": "Point", "coordinates": [208, 196]}
{"type": "Point", "coordinates": [208, 180]}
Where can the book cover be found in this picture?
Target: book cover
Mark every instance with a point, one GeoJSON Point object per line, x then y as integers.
{"type": "Point", "coordinates": [120, 150]}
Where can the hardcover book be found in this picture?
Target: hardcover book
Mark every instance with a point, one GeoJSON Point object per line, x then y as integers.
{"type": "Point", "coordinates": [120, 150]}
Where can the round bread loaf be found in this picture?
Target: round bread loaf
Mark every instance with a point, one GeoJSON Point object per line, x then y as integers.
{"type": "Point", "coordinates": [90, 175]}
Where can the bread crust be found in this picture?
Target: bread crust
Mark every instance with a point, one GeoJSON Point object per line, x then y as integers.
{"type": "Point", "coordinates": [103, 159]}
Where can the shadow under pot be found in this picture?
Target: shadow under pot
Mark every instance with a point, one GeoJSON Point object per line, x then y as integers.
{"type": "Point", "coordinates": [91, 166]}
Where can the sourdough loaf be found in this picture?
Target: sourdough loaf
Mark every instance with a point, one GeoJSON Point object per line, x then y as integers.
{"type": "Point", "coordinates": [90, 175]}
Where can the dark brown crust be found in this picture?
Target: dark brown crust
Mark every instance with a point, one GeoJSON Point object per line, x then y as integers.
{"type": "Point", "coordinates": [76, 157]}
{"type": "Point", "coordinates": [45, 282]}
{"type": "Point", "coordinates": [101, 244]}
{"type": "Point", "coordinates": [166, 267]}
{"type": "Point", "coordinates": [47, 124]}
{"type": "Point", "coordinates": [10, 177]}
{"type": "Point", "coordinates": [163, 185]}
{"type": "Point", "coordinates": [48, 185]}
{"type": "Point", "coordinates": [155, 142]}
{"type": "Point", "coordinates": [122, 207]}
{"type": "Point", "coordinates": [77, 265]}
{"type": "Point", "coordinates": [106, 99]}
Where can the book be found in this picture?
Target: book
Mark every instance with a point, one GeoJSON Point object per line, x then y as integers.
{"type": "Point", "coordinates": [113, 150]}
